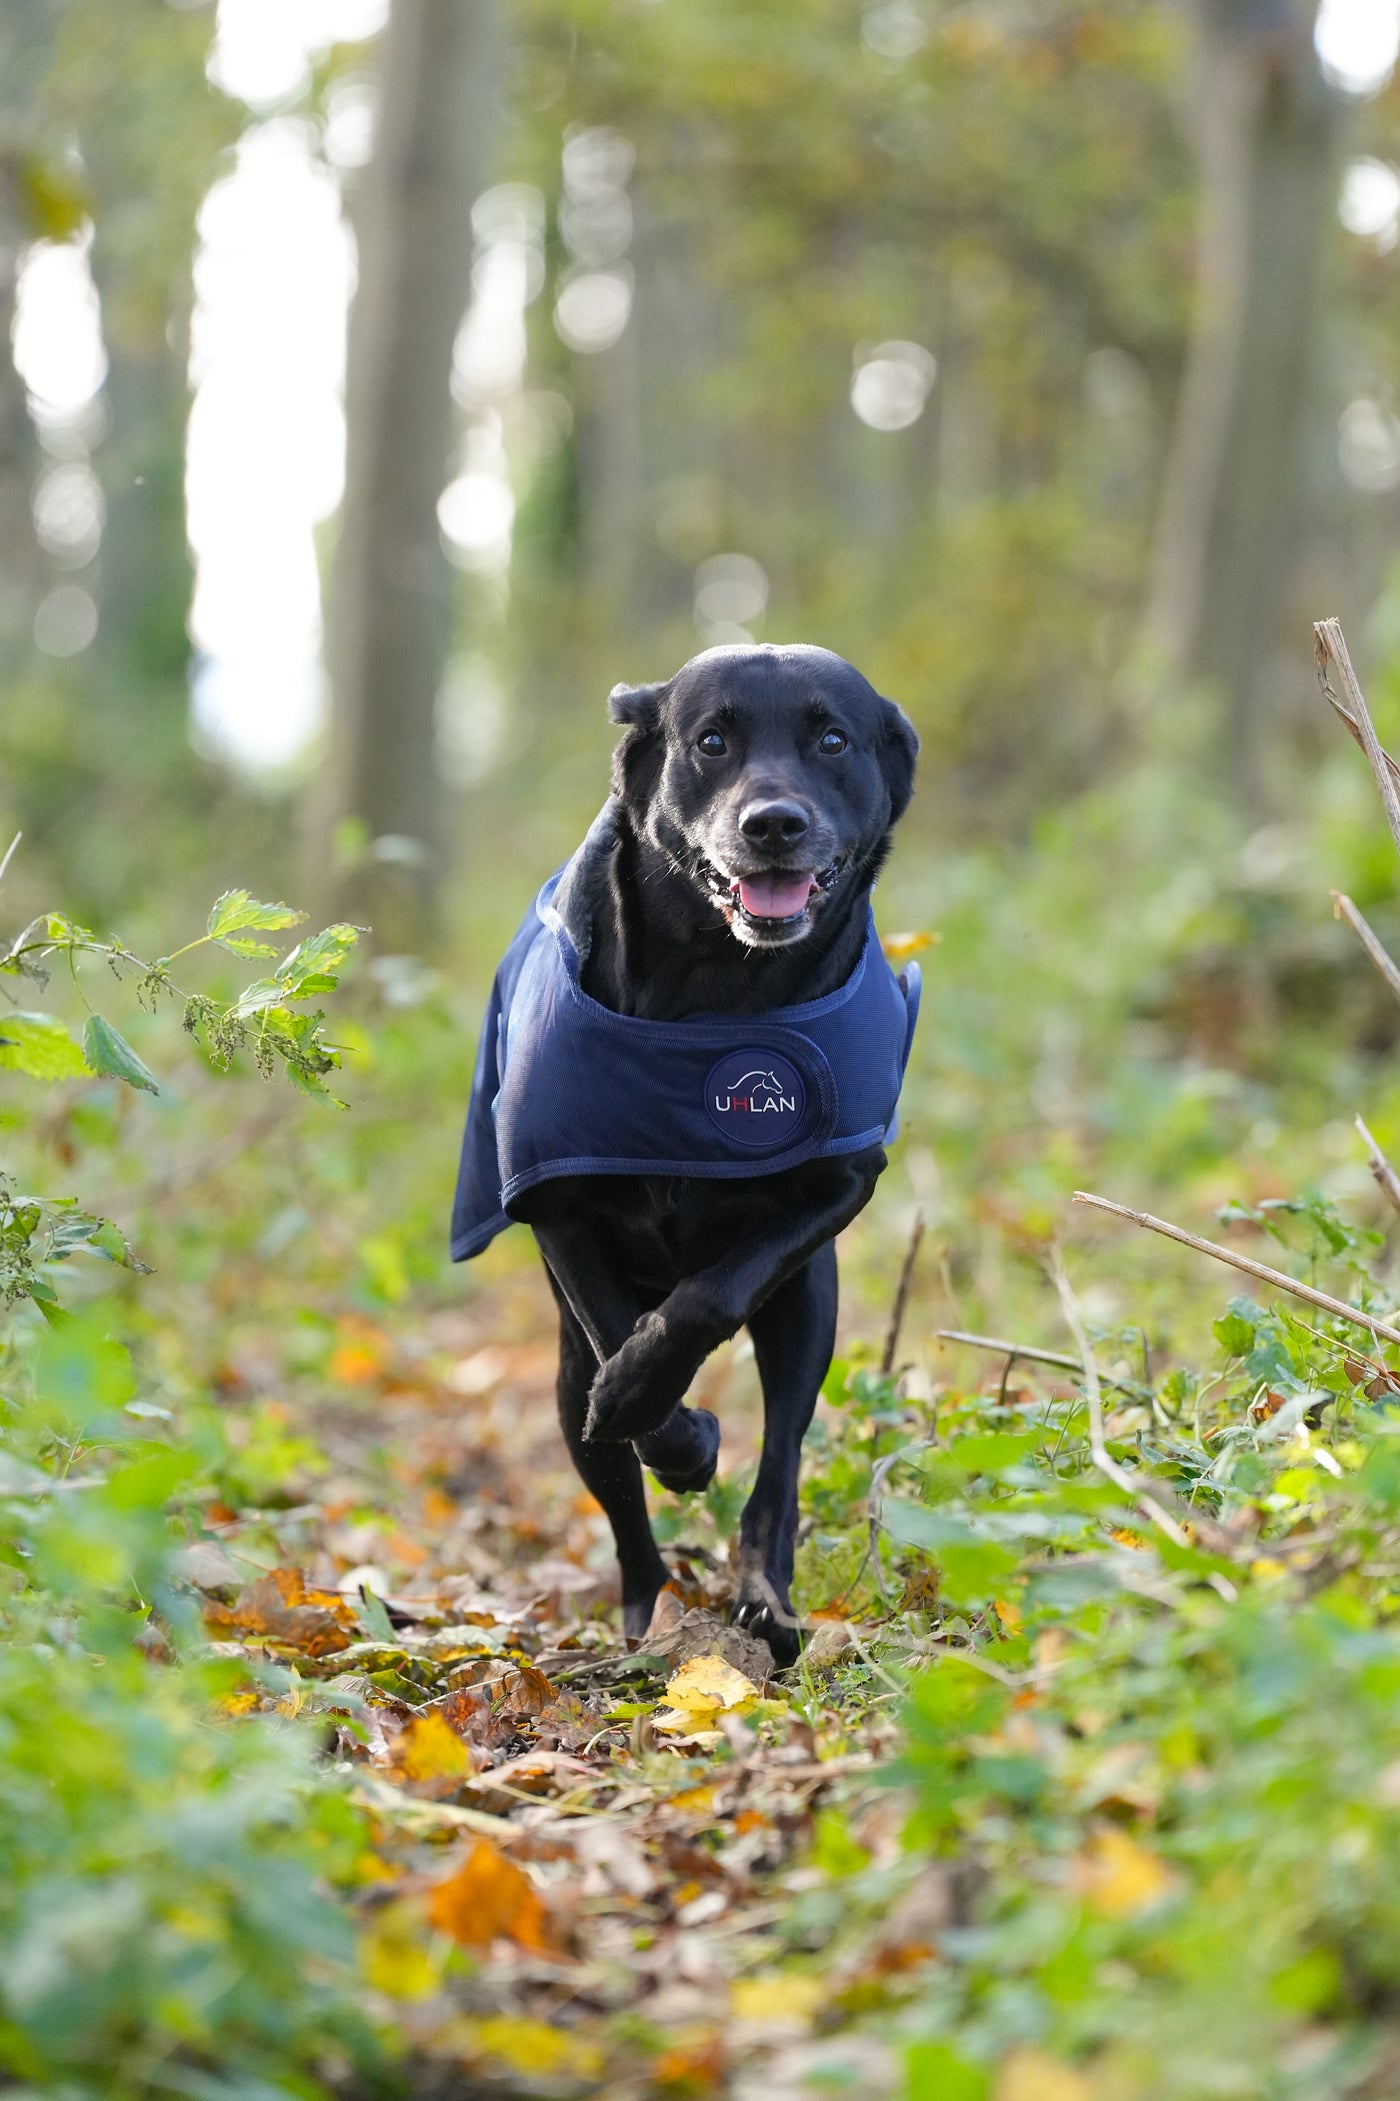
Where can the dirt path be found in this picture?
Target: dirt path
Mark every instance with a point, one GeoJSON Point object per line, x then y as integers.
{"type": "Point", "coordinates": [579, 1883]}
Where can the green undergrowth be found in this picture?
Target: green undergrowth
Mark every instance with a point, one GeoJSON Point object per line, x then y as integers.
{"type": "Point", "coordinates": [1146, 1787]}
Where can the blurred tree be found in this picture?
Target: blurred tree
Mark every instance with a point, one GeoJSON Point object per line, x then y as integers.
{"type": "Point", "coordinates": [38, 197]}
{"type": "Point", "coordinates": [1232, 517]}
{"type": "Point", "coordinates": [390, 599]}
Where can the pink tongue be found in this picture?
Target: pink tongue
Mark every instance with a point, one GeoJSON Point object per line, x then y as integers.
{"type": "Point", "coordinates": [774, 896]}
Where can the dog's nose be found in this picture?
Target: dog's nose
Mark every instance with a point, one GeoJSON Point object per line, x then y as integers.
{"type": "Point", "coordinates": [774, 824]}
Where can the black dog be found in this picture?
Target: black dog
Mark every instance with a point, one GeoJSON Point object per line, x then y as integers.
{"type": "Point", "coordinates": [753, 800]}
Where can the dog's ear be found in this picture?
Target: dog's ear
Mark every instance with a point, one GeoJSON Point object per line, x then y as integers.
{"type": "Point", "coordinates": [636, 765]}
{"type": "Point", "coordinates": [639, 707]}
{"type": "Point", "coordinates": [899, 748]}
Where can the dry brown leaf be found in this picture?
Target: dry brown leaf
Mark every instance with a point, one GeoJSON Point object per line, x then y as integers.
{"type": "Point", "coordinates": [488, 1898]}
{"type": "Point", "coordinates": [281, 1607]}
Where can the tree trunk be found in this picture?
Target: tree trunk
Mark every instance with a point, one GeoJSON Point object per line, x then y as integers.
{"type": "Point", "coordinates": [390, 598]}
{"type": "Point", "coordinates": [1231, 520]}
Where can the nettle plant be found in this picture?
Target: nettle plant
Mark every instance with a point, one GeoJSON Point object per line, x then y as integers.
{"type": "Point", "coordinates": [273, 1018]}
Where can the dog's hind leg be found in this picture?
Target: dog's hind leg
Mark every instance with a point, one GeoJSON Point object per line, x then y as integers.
{"type": "Point", "coordinates": [793, 1333]}
{"type": "Point", "coordinates": [610, 1472]}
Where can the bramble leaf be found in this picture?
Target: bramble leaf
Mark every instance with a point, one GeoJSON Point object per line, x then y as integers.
{"type": "Point", "coordinates": [39, 1045]}
{"type": "Point", "coordinates": [111, 1056]}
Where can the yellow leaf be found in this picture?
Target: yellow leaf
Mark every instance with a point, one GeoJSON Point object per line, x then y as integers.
{"type": "Point", "coordinates": [1117, 1877]}
{"type": "Point", "coordinates": [777, 1998]}
{"type": "Point", "coordinates": [1030, 2075]}
{"type": "Point", "coordinates": [431, 1749]}
{"type": "Point", "coordinates": [708, 1682]}
{"type": "Point", "coordinates": [533, 2047]}
{"type": "Point", "coordinates": [900, 946]}
{"type": "Point", "coordinates": [693, 1801]}
{"type": "Point", "coordinates": [393, 1956]}
{"type": "Point", "coordinates": [488, 1898]}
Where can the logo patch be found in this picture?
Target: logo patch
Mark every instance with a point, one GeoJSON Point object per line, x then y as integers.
{"type": "Point", "coordinates": [756, 1098]}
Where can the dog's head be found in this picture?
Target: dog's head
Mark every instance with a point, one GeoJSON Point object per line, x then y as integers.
{"type": "Point", "coordinates": [770, 777]}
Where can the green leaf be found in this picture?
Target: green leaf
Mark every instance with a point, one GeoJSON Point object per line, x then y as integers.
{"type": "Point", "coordinates": [937, 2074]}
{"type": "Point", "coordinates": [236, 911]}
{"type": "Point", "coordinates": [40, 1045]}
{"type": "Point", "coordinates": [111, 1056]}
{"type": "Point", "coordinates": [312, 965]}
{"type": "Point", "coordinates": [373, 1617]}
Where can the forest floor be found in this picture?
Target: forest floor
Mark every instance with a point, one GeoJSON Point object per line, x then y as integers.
{"type": "Point", "coordinates": [580, 1879]}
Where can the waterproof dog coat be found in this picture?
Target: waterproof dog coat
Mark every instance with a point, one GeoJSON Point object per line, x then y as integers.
{"type": "Point", "coordinates": [564, 1086]}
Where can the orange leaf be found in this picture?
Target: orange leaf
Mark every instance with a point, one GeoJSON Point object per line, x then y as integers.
{"type": "Point", "coordinates": [279, 1607]}
{"type": "Point", "coordinates": [488, 1898]}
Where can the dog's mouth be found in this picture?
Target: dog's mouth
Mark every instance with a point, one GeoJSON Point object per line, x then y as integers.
{"type": "Point", "coordinates": [770, 900]}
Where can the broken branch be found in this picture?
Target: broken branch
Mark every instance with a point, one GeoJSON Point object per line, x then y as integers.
{"type": "Point", "coordinates": [1386, 1177]}
{"type": "Point", "coordinates": [1329, 642]}
{"type": "Point", "coordinates": [1251, 1268]}
{"type": "Point", "coordinates": [901, 1296]}
{"type": "Point", "coordinates": [1015, 1350]}
{"type": "Point", "coordinates": [1366, 935]}
{"type": "Point", "coordinates": [1098, 1450]}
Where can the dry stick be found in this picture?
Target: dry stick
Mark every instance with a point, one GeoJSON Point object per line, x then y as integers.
{"type": "Point", "coordinates": [1330, 642]}
{"type": "Point", "coordinates": [1366, 935]}
{"type": "Point", "coordinates": [1015, 1350]}
{"type": "Point", "coordinates": [1098, 1450]}
{"type": "Point", "coordinates": [1386, 1177]}
{"type": "Point", "coordinates": [1344, 715]}
{"type": "Point", "coordinates": [901, 1296]}
{"type": "Point", "coordinates": [1251, 1268]}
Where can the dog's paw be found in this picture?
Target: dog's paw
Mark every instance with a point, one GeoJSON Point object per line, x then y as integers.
{"type": "Point", "coordinates": [773, 1623]}
{"type": "Point", "coordinates": [636, 1388]}
{"type": "Point", "coordinates": [684, 1452]}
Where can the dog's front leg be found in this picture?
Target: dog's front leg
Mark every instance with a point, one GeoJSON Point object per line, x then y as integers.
{"type": "Point", "coordinates": [680, 1445]}
{"type": "Point", "coordinates": [639, 1384]}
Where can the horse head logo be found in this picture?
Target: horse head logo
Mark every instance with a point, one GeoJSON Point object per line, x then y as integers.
{"type": "Point", "coordinates": [756, 1083]}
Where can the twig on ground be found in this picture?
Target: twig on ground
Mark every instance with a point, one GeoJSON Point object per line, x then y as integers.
{"type": "Point", "coordinates": [1386, 1178]}
{"type": "Point", "coordinates": [1329, 642]}
{"type": "Point", "coordinates": [1276, 1277]}
{"type": "Point", "coordinates": [1013, 1350]}
{"type": "Point", "coordinates": [1098, 1450]}
{"type": "Point", "coordinates": [1369, 939]}
{"type": "Point", "coordinates": [901, 1296]}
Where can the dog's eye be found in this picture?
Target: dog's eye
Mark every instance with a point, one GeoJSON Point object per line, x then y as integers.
{"type": "Point", "coordinates": [712, 744]}
{"type": "Point", "coordinates": [831, 741]}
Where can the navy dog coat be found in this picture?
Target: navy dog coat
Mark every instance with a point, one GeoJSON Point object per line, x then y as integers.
{"type": "Point", "coordinates": [564, 1086]}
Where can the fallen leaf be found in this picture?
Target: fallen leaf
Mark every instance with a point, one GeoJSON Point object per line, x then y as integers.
{"type": "Point", "coordinates": [778, 1998]}
{"type": "Point", "coordinates": [1031, 2075]}
{"type": "Point", "coordinates": [393, 1957]}
{"type": "Point", "coordinates": [701, 1691]}
{"type": "Point", "coordinates": [1117, 1877]}
{"type": "Point", "coordinates": [280, 1607]}
{"type": "Point", "coordinates": [693, 2064]}
{"type": "Point", "coordinates": [431, 1749]}
{"type": "Point", "coordinates": [488, 1898]}
{"type": "Point", "coordinates": [831, 1641]}
{"type": "Point", "coordinates": [533, 2047]}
